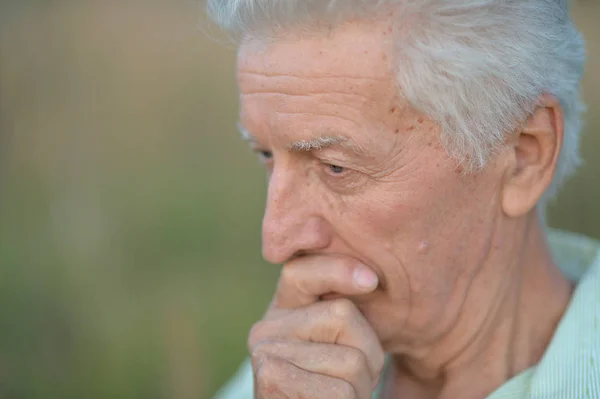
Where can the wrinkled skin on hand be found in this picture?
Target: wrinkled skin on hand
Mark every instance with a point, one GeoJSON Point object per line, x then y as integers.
{"type": "Point", "coordinates": [309, 348]}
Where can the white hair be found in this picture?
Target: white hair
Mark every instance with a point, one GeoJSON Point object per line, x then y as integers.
{"type": "Point", "coordinates": [477, 67]}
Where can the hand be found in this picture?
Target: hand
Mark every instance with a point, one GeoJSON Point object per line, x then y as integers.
{"type": "Point", "coordinates": [306, 348]}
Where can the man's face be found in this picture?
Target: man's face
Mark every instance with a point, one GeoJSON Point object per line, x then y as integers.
{"type": "Point", "coordinates": [381, 190]}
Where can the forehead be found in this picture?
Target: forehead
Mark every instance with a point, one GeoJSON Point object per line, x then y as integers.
{"type": "Point", "coordinates": [358, 49]}
{"type": "Point", "coordinates": [339, 82]}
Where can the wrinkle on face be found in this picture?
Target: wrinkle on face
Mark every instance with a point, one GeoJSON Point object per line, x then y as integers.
{"type": "Point", "coordinates": [322, 114]}
{"type": "Point", "coordinates": [299, 89]}
{"type": "Point", "coordinates": [288, 96]}
{"type": "Point", "coordinates": [412, 219]}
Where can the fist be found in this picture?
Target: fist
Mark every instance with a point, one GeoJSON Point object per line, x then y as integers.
{"type": "Point", "coordinates": [305, 347]}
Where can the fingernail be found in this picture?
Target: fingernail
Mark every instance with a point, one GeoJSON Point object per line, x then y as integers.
{"type": "Point", "coordinates": [365, 278]}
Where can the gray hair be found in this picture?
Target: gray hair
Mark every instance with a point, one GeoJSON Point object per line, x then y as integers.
{"type": "Point", "coordinates": [477, 67]}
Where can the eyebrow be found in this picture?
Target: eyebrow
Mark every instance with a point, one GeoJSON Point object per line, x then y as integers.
{"type": "Point", "coordinates": [317, 143]}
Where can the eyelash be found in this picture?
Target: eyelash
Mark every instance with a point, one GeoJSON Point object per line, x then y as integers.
{"type": "Point", "coordinates": [335, 169]}
{"type": "Point", "coordinates": [265, 156]}
{"type": "Point", "coordinates": [332, 170]}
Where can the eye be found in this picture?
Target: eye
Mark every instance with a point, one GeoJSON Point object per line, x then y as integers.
{"type": "Point", "coordinates": [340, 179]}
{"type": "Point", "coordinates": [335, 169]}
{"type": "Point", "coordinates": [264, 155]}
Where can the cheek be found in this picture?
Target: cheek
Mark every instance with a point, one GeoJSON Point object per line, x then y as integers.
{"type": "Point", "coordinates": [393, 234]}
{"type": "Point", "coordinates": [426, 240]}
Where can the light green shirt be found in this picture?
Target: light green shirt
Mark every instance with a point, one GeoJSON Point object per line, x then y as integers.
{"type": "Point", "coordinates": [570, 367]}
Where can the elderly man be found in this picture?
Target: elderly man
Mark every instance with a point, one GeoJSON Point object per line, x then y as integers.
{"type": "Point", "coordinates": [411, 146]}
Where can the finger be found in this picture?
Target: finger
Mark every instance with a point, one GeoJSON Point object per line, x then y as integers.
{"type": "Point", "coordinates": [332, 322]}
{"type": "Point", "coordinates": [276, 378]}
{"type": "Point", "coordinates": [339, 361]}
{"type": "Point", "coordinates": [305, 279]}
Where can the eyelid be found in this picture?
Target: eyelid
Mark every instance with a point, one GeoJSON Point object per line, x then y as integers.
{"type": "Point", "coordinates": [334, 173]}
{"type": "Point", "coordinates": [264, 156]}
{"type": "Point", "coordinates": [346, 182]}
{"type": "Point", "coordinates": [257, 148]}
{"type": "Point", "coordinates": [262, 150]}
{"type": "Point", "coordinates": [336, 162]}
{"type": "Point", "coordinates": [328, 169]}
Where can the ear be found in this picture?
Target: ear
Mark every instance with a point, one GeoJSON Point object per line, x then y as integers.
{"type": "Point", "coordinates": [533, 154]}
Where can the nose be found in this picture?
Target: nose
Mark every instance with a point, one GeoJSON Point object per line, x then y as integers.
{"type": "Point", "coordinates": [292, 222]}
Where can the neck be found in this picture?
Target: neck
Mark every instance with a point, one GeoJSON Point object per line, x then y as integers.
{"type": "Point", "coordinates": [496, 338]}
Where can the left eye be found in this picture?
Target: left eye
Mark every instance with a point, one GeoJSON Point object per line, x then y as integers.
{"type": "Point", "coordinates": [335, 169]}
{"type": "Point", "coordinates": [264, 155]}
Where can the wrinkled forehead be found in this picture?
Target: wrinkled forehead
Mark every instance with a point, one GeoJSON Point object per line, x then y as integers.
{"type": "Point", "coordinates": [356, 49]}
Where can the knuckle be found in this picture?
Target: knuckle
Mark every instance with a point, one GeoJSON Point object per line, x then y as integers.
{"type": "Point", "coordinates": [345, 390]}
{"type": "Point", "coordinates": [265, 348]}
{"type": "Point", "coordinates": [356, 363]}
{"type": "Point", "coordinates": [258, 351]}
{"type": "Point", "coordinates": [269, 376]}
{"type": "Point", "coordinates": [257, 333]}
{"type": "Point", "coordinates": [342, 309]}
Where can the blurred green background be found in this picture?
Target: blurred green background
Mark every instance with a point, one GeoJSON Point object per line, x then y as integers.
{"type": "Point", "coordinates": [129, 209]}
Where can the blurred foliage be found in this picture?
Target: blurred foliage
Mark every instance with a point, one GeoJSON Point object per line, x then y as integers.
{"type": "Point", "coordinates": [129, 209]}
